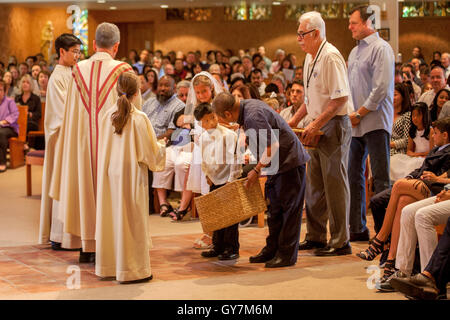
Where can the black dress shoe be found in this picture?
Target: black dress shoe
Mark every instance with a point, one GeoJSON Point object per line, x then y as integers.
{"type": "Point", "coordinates": [227, 255]}
{"type": "Point", "coordinates": [86, 257]}
{"type": "Point", "coordinates": [278, 262]}
{"type": "Point", "coordinates": [360, 236]}
{"type": "Point", "coordinates": [261, 257]}
{"type": "Point", "coordinates": [57, 247]}
{"type": "Point", "coordinates": [137, 281]}
{"type": "Point", "coordinates": [328, 251]}
{"type": "Point", "coordinates": [308, 245]}
{"type": "Point", "coordinates": [210, 253]}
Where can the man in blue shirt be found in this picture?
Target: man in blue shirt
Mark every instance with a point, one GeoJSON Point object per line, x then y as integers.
{"type": "Point", "coordinates": [161, 111]}
{"type": "Point", "coordinates": [282, 158]}
{"type": "Point", "coordinates": [371, 78]}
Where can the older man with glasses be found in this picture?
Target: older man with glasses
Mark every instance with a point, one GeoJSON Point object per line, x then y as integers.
{"type": "Point", "coordinates": [328, 103]}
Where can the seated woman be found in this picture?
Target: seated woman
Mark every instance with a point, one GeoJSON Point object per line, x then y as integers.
{"type": "Point", "coordinates": [422, 183]}
{"type": "Point", "coordinates": [419, 144]}
{"type": "Point", "coordinates": [441, 97]}
{"type": "Point", "coordinates": [9, 85]}
{"type": "Point", "coordinates": [8, 123]}
{"type": "Point", "coordinates": [28, 98]}
{"type": "Point", "coordinates": [43, 77]}
{"type": "Point", "coordinates": [402, 120]}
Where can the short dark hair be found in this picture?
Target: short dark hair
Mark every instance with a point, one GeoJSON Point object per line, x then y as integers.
{"type": "Point", "coordinates": [443, 125]}
{"type": "Point", "coordinates": [256, 70]}
{"type": "Point", "coordinates": [223, 102]}
{"type": "Point", "coordinates": [31, 57]}
{"type": "Point", "coordinates": [272, 87]}
{"type": "Point", "coordinates": [66, 41]}
{"type": "Point", "coordinates": [363, 12]}
{"type": "Point", "coordinates": [298, 82]}
{"type": "Point", "coordinates": [201, 110]}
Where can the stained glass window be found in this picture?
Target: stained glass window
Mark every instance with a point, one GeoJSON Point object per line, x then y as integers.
{"type": "Point", "coordinates": [80, 29]}
{"type": "Point", "coordinates": [259, 12]}
{"type": "Point", "coordinates": [189, 14]}
{"type": "Point", "coordinates": [238, 12]}
{"type": "Point", "coordinates": [327, 10]}
{"type": "Point", "coordinates": [416, 9]}
{"type": "Point", "coordinates": [441, 8]}
{"type": "Point", "coordinates": [248, 12]}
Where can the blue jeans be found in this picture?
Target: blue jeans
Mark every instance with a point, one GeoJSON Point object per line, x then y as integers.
{"type": "Point", "coordinates": [376, 144]}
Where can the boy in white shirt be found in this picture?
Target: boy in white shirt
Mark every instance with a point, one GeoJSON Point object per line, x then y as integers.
{"type": "Point", "coordinates": [219, 164]}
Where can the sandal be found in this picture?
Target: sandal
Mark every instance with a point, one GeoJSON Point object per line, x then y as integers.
{"type": "Point", "coordinates": [389, 269]}
{"type": "Point", "coordinates": [165, 213]}
{"type": "Point", "coordinates": [375, 248]}
{"type": "Point", "coordinates": [182, 215]}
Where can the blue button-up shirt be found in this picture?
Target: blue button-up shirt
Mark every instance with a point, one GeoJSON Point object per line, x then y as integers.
{"type": "Point", "coordinates": [255, 115]}
{"type": "Point", "coordinates": [161, 115]}
{"type": "Point", "coordinates": [371, 76]}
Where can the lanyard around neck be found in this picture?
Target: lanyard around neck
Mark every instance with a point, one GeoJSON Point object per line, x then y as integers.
{"type": "Point", "coordinates": [314, 65]}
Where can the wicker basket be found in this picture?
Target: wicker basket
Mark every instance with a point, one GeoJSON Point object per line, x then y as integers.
{"type": "Point", "coordinates": [229, 205]}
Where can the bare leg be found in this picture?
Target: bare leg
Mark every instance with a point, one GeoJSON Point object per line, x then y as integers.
{"type": "Point", "coordinates": [395, 235]}
{"type": "Point", "coordinates": [414, 188]}
{"type": "Point", "coordinates": [162, 196]}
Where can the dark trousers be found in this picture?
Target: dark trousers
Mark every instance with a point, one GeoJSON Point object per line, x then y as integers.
{"type": "Point", "coordinates": [378, 204]}
{"type": "Point", "coordinates": [150, 193]}
{"type": "Point", "coordinates": [286, 193]}
{"type": "Point", "coordinates": [376, 144]}
{"type": "Point", "coordinates": [5, 134]}
{"type": "Point", "coordinates": [439, 264]}
{"type": "Point", "coordinates": [226, 238]}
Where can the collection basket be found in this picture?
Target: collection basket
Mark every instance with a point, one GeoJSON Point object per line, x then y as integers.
{"type": "Point", "coordinates": [229, 205]}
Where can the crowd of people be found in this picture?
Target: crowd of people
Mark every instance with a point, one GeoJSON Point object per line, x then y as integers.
{"type": "Point", "coordinates": [159, 123]}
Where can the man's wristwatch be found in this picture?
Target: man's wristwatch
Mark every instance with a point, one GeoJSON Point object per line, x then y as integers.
{"type": "Point", "coordinates": [358, 115]}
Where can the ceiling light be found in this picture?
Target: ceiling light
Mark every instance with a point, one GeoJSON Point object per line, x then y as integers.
{"type": "Point", "coordinates": [101, 1]}
{"type": "Point", "coordinates": [164, 6]}
{"type": "Point", "coordinates": [112, 8]}
{"type": "Point", "coordinates": [276, 3]}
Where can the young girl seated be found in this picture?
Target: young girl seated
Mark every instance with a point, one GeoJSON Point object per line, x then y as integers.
{"type": "Point", "coordinates": [219, 164]}
{"type": "Point", "coordinates": [419, 143]}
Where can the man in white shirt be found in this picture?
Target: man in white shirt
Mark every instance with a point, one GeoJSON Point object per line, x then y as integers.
{"type": "Point", "coordinates": [328, 102]}
{"type": "Point", "coordinates": [438, 82]}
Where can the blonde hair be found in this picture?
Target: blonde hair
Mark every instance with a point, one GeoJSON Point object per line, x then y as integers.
{"type": "Point", "coordinates": [205, 81]}
{"type": "Point", "coordinates": [28, 78]}
{"type": "Point", "coordinates": [127, 86]}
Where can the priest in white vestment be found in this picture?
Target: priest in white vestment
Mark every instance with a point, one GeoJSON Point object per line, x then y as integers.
{"type": "Point", "coordinates": [92, 93]}
{"type": "Point", "coordinates": [129, 149]}
{"type": "Point", "coordinates": [51, 228]}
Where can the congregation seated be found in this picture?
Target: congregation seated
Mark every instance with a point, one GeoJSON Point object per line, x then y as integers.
{"type": "Point", "coordinates": [438, 82]}
{"type": "Point", "coordinates": [441, 97]}
{"type": "Point", "coordinates": [402, 120]}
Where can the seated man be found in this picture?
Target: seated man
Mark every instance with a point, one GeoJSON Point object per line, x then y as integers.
{"type": "Point", "coordinates": [417, 224]}
{"type": "Point", "coordinates": [431, 284]}
{"type": "Point", "coordinates": [161, 111]}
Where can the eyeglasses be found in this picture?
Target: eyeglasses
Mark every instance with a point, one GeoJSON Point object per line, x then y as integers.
{"type": "Point", "coordinates": [77, 52]}
{"type": "Point", "coordinates": [301, 35]}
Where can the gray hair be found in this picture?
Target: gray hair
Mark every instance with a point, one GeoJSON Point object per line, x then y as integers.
{"type": "Point", "coordinates": [314, 20]}
{"type": "Point", "coordinates": [183, 84]}
{"type": "Point", "coordinates": [107, 35]}
{"type": "Point", "coordinates": [223, 102]}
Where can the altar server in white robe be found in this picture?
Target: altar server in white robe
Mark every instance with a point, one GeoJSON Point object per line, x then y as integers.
{"type": "Point", "coordinates": [91, 94]}
{"type": "Point", "coordinates": [67, 47]}
{"type": "Point", "coordinates": [129, 149]}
